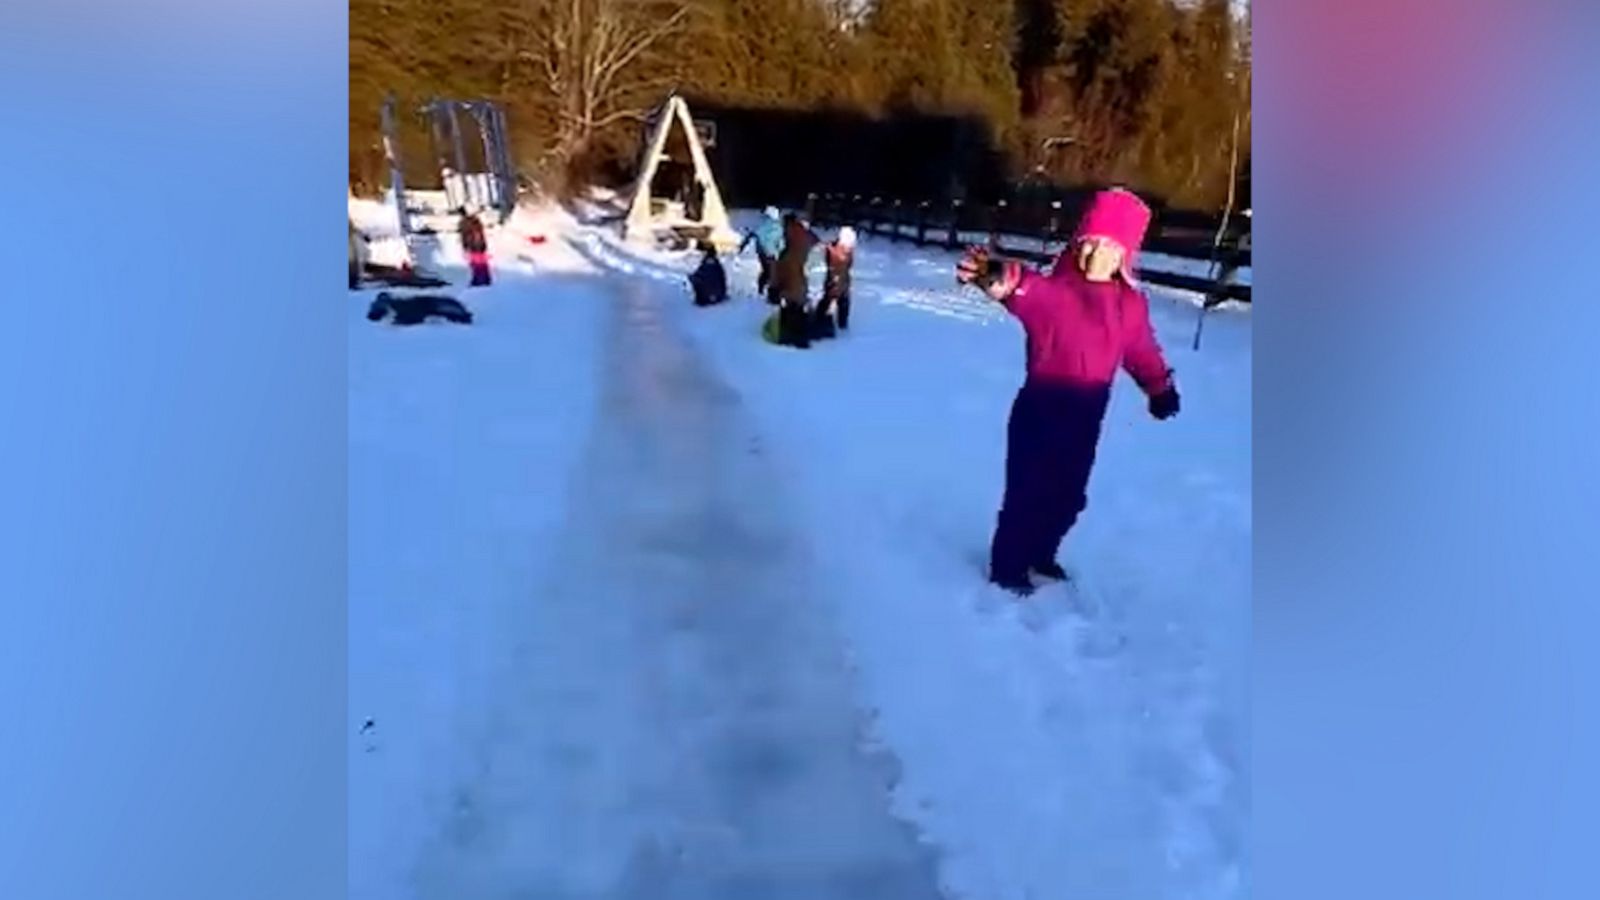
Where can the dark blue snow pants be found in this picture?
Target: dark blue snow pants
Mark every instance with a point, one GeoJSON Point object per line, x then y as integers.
{"type": "Point", "coordinates": [1050, 444]}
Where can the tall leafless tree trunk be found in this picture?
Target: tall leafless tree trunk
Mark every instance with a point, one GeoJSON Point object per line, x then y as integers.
{"type": "Point", "coordinates": [592, 57]}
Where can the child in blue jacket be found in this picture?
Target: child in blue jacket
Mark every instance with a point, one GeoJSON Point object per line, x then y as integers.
{"type": "Point", "coordinates": [768, 238]}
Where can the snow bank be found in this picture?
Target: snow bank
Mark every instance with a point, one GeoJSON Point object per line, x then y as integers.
{"type": "Point", "coordinates": [1089, 743]}
{"type": "Point", "coordinates": [380, 224]}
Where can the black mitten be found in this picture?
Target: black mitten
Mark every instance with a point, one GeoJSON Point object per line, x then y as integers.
{"type": "Point", "coordinates": [1165, 404]}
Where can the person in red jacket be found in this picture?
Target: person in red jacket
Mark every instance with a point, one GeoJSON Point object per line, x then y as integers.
{"type": "Point", "coordinates": [476, 245]}
{"type": "Point", "coordinates": [1082, 321]}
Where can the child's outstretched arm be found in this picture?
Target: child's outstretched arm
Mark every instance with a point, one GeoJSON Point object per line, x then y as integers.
{"type": "Point", "coordinates": [1142, 357]}
{"type": "Point", "coordinates": [1007, 282]}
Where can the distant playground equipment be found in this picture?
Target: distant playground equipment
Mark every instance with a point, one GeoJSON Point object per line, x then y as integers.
{"type": "Point", "coordinates": [676, 199]}
{"type": "Point", "coordinates": [472, 146]}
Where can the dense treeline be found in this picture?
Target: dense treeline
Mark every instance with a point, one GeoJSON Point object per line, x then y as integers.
{"type": "Point", "coordinates": [1146, 92]}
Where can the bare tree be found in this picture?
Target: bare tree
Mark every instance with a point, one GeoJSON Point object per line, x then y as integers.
{"type": "Point", "coordinates": [594, 58]}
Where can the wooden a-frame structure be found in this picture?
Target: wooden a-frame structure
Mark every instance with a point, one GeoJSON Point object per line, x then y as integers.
{"type": "Point", "coordinates": [644, 220]}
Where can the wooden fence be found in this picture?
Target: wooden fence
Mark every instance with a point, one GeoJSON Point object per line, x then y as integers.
{"type": "Point", "coordinates": [1036, 232]}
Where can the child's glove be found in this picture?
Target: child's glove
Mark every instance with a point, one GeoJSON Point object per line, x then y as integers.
{"type": "Point", "coordinates": [1165, 404]}
{"type": "Point", "coordinates": [994, 277]}
{"type": "Point", "coordinates": [976, 267]}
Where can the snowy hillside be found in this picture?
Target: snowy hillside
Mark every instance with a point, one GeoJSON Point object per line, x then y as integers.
{"type": "Point", "coordinates": [642, 606]}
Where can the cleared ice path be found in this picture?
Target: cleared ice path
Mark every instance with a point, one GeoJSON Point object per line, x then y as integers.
{"type": "Point", "coordinates": [678, 722]}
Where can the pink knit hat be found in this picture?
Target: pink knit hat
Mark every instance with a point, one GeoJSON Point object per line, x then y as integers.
{"type": "Point", "coordinates": [1120, 215]}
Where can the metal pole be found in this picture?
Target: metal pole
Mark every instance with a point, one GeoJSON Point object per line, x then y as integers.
{"type": "Point", "coordinates": [1216, 241]}
{"type": "Point", "coordinates": [508, 172]}
{"type": "Point", "coordinates": [436, 132]}
{"type": "Point", "coordinates": [481, 119]}
{"type": "Point", "coordinates": [460, 149]}
{"type": "Point", "coordinates": [491, 158]}
{"type": "Point", "coordinates": [391, 152]}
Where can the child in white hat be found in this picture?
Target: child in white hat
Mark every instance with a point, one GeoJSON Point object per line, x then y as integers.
{"type": "Point", "coordinates": [840, 256]}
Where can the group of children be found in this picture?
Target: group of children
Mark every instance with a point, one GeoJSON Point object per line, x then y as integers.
{"type": "Point", "coordinates": [1083, 320]}
{"type": "Point", "coordinates": [783, 247]}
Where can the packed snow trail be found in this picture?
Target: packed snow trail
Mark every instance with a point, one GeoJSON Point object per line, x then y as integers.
{"type": "Point", "coordinates": [678, 721]}
{"type": "Point", "coordinates": [445, 517]}
{"type": "Point", "coordinates": [1090, 743]}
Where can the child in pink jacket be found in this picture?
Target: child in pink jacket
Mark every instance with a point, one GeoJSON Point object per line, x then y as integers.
{"type": "Point", "coordinates": [1083, 321]}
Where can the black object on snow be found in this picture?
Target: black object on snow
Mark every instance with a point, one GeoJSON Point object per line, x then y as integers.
{"type": "Point", "coordinates": [418, 309]}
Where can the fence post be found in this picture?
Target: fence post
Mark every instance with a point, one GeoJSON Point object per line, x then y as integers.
{"type": "Point", "coordinates": [1054, 232]}
{"type": "Point", "coordinates": [811, 206]}
{"type": "Point", "coordinates": [996, 212]}
{"type": "Point", "coordinates": [952, 239]}
{"type": "Point", "coordinates": [922, 223]}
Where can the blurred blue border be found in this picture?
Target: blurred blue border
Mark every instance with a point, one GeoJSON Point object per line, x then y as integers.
{"type": "Point", "coordinates": [1425, 450]}
{"type": "Point", "coordinates": [172, 404]}
{"type": "Point", "coordinates": [172, 503]}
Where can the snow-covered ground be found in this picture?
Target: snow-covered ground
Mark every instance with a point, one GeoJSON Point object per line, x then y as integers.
{"type": "Point", "coordinates": [643, 606]}
{"type": "Point", "coordinates": [461, 441]}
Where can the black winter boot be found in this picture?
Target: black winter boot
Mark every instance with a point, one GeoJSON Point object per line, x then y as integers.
{"type": "Point", "coordinates": [1051, 570]}
{"type": "Point", "coordinates": [1022, 587]}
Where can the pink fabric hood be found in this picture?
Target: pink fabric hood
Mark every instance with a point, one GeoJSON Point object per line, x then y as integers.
{"type": "Point", "coordinates": [1119, 215]}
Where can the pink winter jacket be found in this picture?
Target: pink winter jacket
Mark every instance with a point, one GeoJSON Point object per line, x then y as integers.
{"type": "Point", "coordinates": [1080, 331]}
